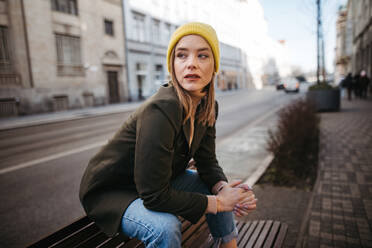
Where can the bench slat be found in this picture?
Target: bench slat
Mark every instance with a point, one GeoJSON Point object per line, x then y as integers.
{"type": "Point", "coordinates": [98, 238]}
{"type": "Point", "coordinates": [263, 234]}
{"type": "Point", "coordinates": [247, 234]}
{"type": "Point", "coordinates": [198, 236]}
{"type": "Point", "coordinates": [272, 235]}
{"type": "Point", "coordinates": [115, 241]}
{"type": "Point", "coordinates": [133, 243]}
{"type": "Point", "coordinates": [78, 237]}
{"type": "Point", "coordinates": [280, 239]}
{"type": "Point", "coordinates": [61, 234]}
{"type": "Point", "coordinates": [257, 231]}
{"type": "Point", "coordinates": [187, 233]}
{"type": "Point", "coordinates": [86, 234]}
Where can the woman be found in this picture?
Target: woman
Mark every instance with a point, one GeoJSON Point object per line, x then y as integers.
{"type": "Point", "coordinates": [139, 182]}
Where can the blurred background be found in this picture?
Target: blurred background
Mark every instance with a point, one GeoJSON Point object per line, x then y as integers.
{"type": "Point", "coordinates": [72, 71]}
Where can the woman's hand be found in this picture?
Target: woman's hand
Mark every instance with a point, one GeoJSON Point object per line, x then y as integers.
{"type": "Point", "coordinates": [247, 205]}
{"type": "Point", "coordinates": [231, 195]}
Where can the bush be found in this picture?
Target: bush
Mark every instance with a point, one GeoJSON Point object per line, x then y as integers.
{"type": "Point", "coordinates": [294, 145]}
{"type": "Point", "coordinates": [321, 86]}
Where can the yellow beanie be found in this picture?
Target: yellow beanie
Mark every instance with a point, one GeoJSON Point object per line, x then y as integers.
{"type": "Point", "coordinates": [204, 30]}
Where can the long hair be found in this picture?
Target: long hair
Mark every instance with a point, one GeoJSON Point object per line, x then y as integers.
{"type": "Point", "coordinates": [206, 115]}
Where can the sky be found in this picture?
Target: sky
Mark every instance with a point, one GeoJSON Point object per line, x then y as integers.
{"type": "Point", "coordinates": [295, 22]}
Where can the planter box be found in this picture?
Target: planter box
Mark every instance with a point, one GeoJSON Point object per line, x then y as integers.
{"type": "Point", "coordinates": [325, 100]}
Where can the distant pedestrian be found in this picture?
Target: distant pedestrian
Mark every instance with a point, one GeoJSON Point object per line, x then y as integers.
{"type": "Point", "coordinates": [348, 84]}
{"type": "Point", "coordinates": [364, 82]}
{"type": "Point", "coordinates": [357, 86]}
{"type": "Point", "coordinates": [138, 184]}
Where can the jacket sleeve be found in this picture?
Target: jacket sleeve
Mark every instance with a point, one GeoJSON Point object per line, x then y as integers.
{"type": "Point", "coordinates": [156, 132]}
{"type": "Point", "coordinates": [205, 158]}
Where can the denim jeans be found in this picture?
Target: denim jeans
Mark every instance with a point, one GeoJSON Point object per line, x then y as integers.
{"type": "Point", "coordinates": [160, 229]}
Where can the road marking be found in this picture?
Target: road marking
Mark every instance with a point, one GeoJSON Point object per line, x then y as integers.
{"type": "Point", "coordinates": [251, 124]}
{"type": "Point", "coordinates": [98, 144]}
{"type": "Point", "coordinates": [51, 157]}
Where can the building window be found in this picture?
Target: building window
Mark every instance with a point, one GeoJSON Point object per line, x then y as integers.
{"type": "Point", "coordinates": [138, 27]}
{"type": "Point", "coordinates": [155, 30]}
{"type": "Point", "coordinates": [5, 64]}
{"type": "Point", "coordinates": [69, 60]}
{"type": "Point", "coordinates": [159, 75]}
{"type": "Point", "coordinates": [109, 27]}
{"type": "Point", "coordinates": [167, 33]}
{"type": "Point", "coordinates": [65, 6]}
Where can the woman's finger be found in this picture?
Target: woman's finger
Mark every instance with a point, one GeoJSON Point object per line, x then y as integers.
{"type": "Point", "coordinates": [234, 183]}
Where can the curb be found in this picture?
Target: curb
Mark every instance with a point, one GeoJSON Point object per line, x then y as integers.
{"type": "Point", "coordinates": [83, 114]}
{"type": "Point", "coordinates": [251, 180]}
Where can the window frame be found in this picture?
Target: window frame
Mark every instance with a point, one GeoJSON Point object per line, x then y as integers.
{"type": "Point", "coordinates": [72, 64]}
{"type": "Point", "coordinates": [65, 6]}
{"type": "Point", "coordinates": [106, 23]}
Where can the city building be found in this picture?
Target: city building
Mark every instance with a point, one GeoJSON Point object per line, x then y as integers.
{"type": "Point", "coordinates": [354, 39]}
{"type": "Point", "coordinates": [362, 35]}
{"type": "Point", "coordinates": [148, 31]}
{"type": "Point", "coordinates": [60, 54]}
{"type": "Point", "coordinates": [238, 23]}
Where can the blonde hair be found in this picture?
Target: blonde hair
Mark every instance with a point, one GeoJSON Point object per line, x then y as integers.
{"type": "Point", "coordinates": [206, 115]}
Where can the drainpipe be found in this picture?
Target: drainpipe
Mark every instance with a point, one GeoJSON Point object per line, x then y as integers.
{"type": "Point", "coordinates": [27, 44]}
{"type": "Point", "coordinates": [129, 98]}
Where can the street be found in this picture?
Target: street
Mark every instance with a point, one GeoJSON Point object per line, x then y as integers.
{"type": "Point", "coordinates": [41, 166]}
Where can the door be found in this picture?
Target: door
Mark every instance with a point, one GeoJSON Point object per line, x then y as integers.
{"type": "Point", "coordinates": [113, 85]}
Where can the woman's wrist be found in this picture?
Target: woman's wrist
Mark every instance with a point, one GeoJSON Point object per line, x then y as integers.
{"type": "Point", "coordinates": [212, 207]}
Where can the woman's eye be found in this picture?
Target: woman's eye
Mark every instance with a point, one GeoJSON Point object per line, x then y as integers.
{"type": "Point", "coordinates": [181, 55]}
{"type": "Point", "coordinates": [203, 56]}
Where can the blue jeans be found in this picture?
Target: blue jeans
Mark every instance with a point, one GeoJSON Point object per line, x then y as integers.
{"type": "Point", "coordinates": [160, 229]}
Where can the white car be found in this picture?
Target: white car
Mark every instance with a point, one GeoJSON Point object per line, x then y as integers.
{"type": "Point", "coordinates": [291, 85]}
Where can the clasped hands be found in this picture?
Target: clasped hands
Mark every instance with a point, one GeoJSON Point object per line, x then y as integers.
{"type": "Point", "coordinates": [236, 197]}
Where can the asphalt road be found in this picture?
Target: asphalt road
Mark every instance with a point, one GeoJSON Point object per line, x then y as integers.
{"type": "Point", "coordinates": [41, 166]}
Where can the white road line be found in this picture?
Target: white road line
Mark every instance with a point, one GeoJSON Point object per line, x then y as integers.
{"type": "Point", "coordinates": [98, 144]}
{"type": "Point", "coordinates": [48, 158]}
{"type": "Point", "coordinates": [251, 124]}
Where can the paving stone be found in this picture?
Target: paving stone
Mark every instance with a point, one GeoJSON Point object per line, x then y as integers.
{"type": "Point", "coordinates": [342, 201]}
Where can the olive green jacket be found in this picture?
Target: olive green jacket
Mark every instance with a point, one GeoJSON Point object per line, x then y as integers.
{"type": "Point", "coordinates": [149, 150]}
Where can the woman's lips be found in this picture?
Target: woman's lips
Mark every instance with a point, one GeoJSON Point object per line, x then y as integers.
{"type": "Point", "coordinates": [192, 77]}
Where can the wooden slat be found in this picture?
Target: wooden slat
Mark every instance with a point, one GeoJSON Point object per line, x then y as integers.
{"type": "Point", "coordinates": [242, 229]}
{"type": "Point", "coordinates": [85, 234]}
{"type": "Point", "coordinates": [115, 241]}
{"type": "Point", "coordinates": [78, 237]}
{"type": "Point", "coordinates": [133, 243]}
{"type": "Point", "coordinates": [245, 237]}
{"type": "Point", "coordinates": [279, 240]}
{"type": "Point", "coordinates": [254, 236]}
{"type": "Point", "coordinates": [198, 236]}
{"type": "Point", "coordinates": [93, 241]}
{"type": "Point", "coordinates": [187, 233]}
{"type": "Point", "coordinates": [62, 233]}
{"type": "Point", "coordinates": [263, 234]}
{"type": "Point", "coordinates": [272, 235]}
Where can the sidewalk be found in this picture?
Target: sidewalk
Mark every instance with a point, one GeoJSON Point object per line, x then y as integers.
{"type": "Point", "coordinates": [340, 212]}
{"type": "Point", "coordinates": [37, 119]}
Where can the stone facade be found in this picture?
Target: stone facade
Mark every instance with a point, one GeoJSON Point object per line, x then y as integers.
{"type": "Point", "coordinates": [63, 57]}
{"type": "Point", "coordinates": [362, 35]}
{"type": "Point", "coordinates": [354, 39]}
{"type": "Point", "coordinates": [147, 41]}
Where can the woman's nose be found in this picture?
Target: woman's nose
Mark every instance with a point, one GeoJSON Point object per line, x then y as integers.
{"type": "Point", "coordinates": [192, 62]}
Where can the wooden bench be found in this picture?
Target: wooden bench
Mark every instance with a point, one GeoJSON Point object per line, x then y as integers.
{"type": "Point", "coordinates": [85, 234]}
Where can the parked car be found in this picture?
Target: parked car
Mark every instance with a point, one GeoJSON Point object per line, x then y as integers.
{"type": "Point", "coordinates": [279, 86]}
{"type": "Point", "coordinates": [291, 85]}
